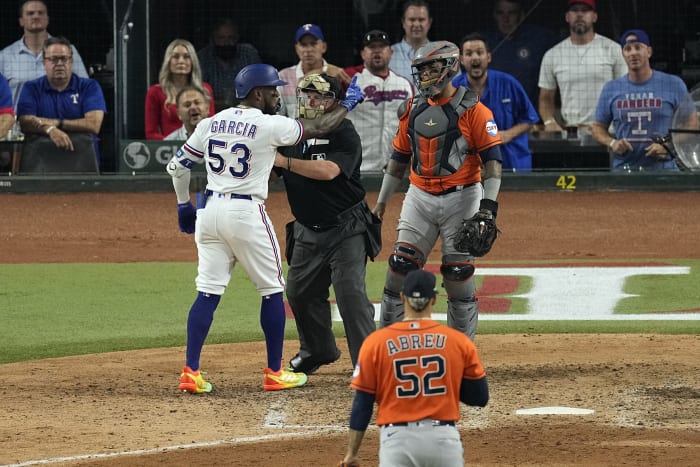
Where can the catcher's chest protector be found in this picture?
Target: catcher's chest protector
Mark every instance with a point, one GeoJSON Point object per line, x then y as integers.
{"type": "Point", "coordinates": [438, 145]}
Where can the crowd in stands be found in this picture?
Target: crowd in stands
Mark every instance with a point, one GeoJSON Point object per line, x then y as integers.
{"type": "Point", "coordinates": [532, 78]}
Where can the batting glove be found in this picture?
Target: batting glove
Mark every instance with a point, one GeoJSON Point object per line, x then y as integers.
{"type": "Point", "coordinates": [186, 217]}
{"type": "Point", "coordinates": [353, 95]}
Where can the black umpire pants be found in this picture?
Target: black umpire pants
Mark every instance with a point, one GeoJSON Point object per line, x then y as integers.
{"type": "Point", "coordinates": [336, 257]}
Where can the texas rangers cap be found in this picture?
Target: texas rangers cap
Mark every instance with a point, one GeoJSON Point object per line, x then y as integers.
{"type": "Point", "coordinates": [634, 35]}
{"type": "Point", "coordinates": [310, 29]}
{"type": "Point", "coordinates": [590, 3]}
{"type": "Point", "coordinates": [419, 284]}
{"type": "Point", "coordinates": [375, 35]}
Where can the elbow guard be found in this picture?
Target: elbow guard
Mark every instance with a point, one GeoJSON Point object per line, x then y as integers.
{"type": "Point", "coordinates": [177, 167]}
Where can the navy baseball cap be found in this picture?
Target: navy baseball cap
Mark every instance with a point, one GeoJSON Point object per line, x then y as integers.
{"type": "Point", "coordinates": [419, 284]}
{"type": "Point", "coordinates": [634, 35]}
{"type": "Point", "coordinates": [310, 29]}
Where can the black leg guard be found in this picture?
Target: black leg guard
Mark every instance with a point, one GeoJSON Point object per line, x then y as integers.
{"type": "Point", "coordinates": [391, 309]}
{"type": "Point", "coordinates": [463, 315]}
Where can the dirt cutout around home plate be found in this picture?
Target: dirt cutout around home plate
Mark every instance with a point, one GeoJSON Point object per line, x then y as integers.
{"type": "Point", "coordinates": [123, 408]}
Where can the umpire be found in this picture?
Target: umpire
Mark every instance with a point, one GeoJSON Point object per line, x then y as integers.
{"type": "Point", "coordinates": [333, 234]}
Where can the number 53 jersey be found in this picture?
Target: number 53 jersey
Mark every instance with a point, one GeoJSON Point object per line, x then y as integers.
{"type": "Point", "coordinates": [415, 370]}
{"type": "Point", "coordinates": [238, 146]}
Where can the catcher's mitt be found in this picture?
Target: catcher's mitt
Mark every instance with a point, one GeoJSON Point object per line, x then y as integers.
{"type": "Point", "coordinates": [477, 234]}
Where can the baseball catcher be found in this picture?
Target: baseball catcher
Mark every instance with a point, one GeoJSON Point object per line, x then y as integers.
{"type": "Point", "coordinates": [477, 234]}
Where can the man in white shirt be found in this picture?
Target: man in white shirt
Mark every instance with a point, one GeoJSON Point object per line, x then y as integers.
{"type": "Point", "coordinates": [577, 68]}
{"type": "Point", "coordinates": [310, 46]}
{"type": "Point", "coordinates": [192, 107]}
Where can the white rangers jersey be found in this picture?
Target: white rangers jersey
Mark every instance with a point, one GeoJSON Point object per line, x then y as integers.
{"type": "Point", "coordinates": [238, 146]}
{"type": "Point", "coordinates": [376, 118]}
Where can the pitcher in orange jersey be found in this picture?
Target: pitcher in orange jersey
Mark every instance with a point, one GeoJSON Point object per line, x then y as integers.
{"type": "Point", "coordinates": [446, 135]}
{"type": "Point", "coordinates": [417, 371]}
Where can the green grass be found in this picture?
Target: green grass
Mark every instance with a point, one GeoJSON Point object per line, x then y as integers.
{"type": "Point", "coordinates": [53, 310]}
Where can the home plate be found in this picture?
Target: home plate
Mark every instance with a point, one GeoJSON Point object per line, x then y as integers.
{"type": "Point", "coordinates": [554, 411]}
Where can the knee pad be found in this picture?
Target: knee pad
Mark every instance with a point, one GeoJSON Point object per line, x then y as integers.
{"type": "Point", "coordinates": [404, 259]}
{"type": "Point", "coordinates": [456, 268]}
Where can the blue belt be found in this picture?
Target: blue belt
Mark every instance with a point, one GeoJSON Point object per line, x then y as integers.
{"type": "Point", "coordinates": [227, 195]}
{"type": "Point", "coordinates": [427, 423]}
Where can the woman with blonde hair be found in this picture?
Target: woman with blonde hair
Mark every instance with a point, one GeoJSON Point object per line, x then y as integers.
{"type": "Point", "coordinates": [180, 68]}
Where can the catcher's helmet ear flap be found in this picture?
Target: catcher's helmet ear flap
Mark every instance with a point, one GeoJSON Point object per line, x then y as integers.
{"type": "Point", "coordinates": [256, 75]}
{"type": "Point", "coordinates": [324, 85]}
{"type": "Point", "coordinates": [443, 51]}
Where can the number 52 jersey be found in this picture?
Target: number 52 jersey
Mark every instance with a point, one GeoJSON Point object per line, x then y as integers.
{"type": "Point", "coordinates": [415, 370]}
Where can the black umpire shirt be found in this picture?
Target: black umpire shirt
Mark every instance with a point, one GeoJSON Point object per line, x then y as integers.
{"type": "Point", "coordinates": [318, 202]}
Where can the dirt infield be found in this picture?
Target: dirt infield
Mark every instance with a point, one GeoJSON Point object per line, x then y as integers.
{"type": "Point", "coordinates": [124, 408]}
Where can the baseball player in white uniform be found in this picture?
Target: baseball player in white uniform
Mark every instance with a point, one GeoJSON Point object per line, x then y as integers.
{"type": "Point", "coordinates": [238, 146]}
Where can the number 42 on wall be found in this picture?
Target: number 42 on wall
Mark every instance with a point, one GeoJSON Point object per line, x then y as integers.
{"type": "Point", "coordinates": [566, 182]}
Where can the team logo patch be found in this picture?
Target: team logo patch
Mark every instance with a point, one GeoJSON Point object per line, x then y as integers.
{"type": "Point", "coordinates": [523, 53]}
{"type": "Point", "coordinates": [491, 128]}
{"type": "Point", "coordinates": [136, 155]}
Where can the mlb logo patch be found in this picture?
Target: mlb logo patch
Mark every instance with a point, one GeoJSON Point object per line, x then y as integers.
{"type": "Point", "coordinates": [491, 128]}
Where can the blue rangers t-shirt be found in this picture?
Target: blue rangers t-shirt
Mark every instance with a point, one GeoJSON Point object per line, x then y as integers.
{"type": "Point", "coordinates": [640, 112]}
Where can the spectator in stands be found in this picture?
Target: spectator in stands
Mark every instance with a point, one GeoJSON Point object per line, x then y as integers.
{"type": "Point", "coordinates": [310, 46]}
{"type": "Point", "coordinates": [7, 114]}
{"type": "Point", "coordinates": [577, 68]}
{"type": "Point", "coordinates": [641, 106]}
{"type": "Point", "coordinates": [180, 68]}
{"type": "Point", "coordinates": [192, 107]}
{"type": "Point", "coordinates": [222, 59]}
{"type": "Point", "coordinates": [22, 60]}
{"type": "Point", "coordinates": [516, 46]}
{"type": "Point", "coordinates": [7, 120]}
{"type": "Point", "coordinates": [60, 107]}
{"type": "Point", "coordinates": [416, 22]}
{"type": "Point", "coordinates": [504, 95]}
{"type": "Point", "coordinates": [376, 118]}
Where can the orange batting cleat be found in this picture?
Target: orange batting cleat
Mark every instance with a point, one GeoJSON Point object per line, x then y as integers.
{"type": "Point", "coordinates": [193, 382]}
{"type": "Point", "coordinates": [282, 379]}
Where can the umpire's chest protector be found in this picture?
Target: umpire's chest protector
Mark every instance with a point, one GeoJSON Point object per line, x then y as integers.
{"type": "Point", "coordinates": [435, 136]}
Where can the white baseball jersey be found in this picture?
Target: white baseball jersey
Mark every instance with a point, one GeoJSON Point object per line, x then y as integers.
{"type": "Point", "coordinates": [239, 146]}
{"type": "Point", "coordinates": [579, 72]}
{"type": "Point", "coordinates": [376, 118]}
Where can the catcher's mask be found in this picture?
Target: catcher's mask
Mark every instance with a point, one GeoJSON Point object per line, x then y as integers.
{"type": "Point", "coordinates": [435, 64]}
{"type": "Point", "coordinates": [316, 93]}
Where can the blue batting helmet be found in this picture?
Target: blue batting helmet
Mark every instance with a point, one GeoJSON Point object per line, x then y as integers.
{"type": "Point", "coordinates": [252, 76]}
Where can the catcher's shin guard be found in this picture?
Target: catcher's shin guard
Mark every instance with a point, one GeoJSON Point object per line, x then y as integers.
{"type": "Point", "coordinates": [463, 315]}
{"type": "Point", "coordinates": [391, 308]}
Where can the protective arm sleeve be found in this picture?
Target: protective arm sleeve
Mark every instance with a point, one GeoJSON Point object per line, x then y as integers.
{"type": "Point", "coordinates": [474, 392]}
{"type": "Point", "coordinates": [491, 188]}
{"type": "Point", "coordinates": [389, 185]}
{"type": "Point", "coordinates": [181, 184]}
{"type": "Point", "coordinates": [362, 406]}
